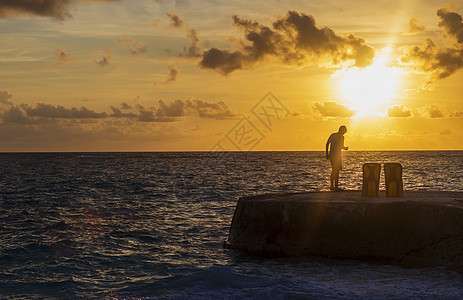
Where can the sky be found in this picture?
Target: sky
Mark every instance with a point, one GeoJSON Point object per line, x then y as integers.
{"type": "Point", "coordinates": [212, 75]}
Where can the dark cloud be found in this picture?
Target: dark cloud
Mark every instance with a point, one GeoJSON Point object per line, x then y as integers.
{"type": "Point", "coordinates": [173, 73]}
{"type": "Point", "coordinates": [218, 110]}
{"type": "Point", "coordinates": [193, 49]}
{"type": "Point", "coordinates": [5, 97]}
{"type": "Point", "coordinates": [117, 113]}
{"type": "Point", "coordinates": [106, 57]}
{"type": "Point", "coordinates": [165, 111]}
{"type": "Point", "coordinates": [132, 45]}
{"type": "Point", "coordinates": [334, 109]}
{"type": "Point", "coordinates": [414, 27]}
{"type": "Point", "coordinates": [125, 106]}
{"type": "Point", "coordinates": [57, 9]}
{"type": "Point", "coordinates": [438, 62]}
{"type": "Point", "coordinates": [176, 20]}
{"type": "Point", "coordinates": [62, 57]}
{"type": "Point", "coordinates": [428, 58]}
{"type": "Point", "coordinates": [294, 39]}
{"type": "Point", "coordinates": [398, 111]}
{"type": "Point", "coordinates": [60, 112]}
{"type": "Point", "coordinates": [223, 61]}
{"type": "Point", "coordinates": [16, 115]}
{"type": "Point", "coordinates": [39, 113]}
{"type": "Point", "coordinates": [452, 23]}
{"type": "Point", "coordinates": [172, 111]}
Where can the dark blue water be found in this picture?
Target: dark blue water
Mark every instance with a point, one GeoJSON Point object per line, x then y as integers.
{"type": "Point", "coordinates": [151, 225]}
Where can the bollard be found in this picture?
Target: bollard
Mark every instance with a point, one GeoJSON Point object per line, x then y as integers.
{"type": "Point", "coordinates": [394, 183]}
{"type": "Point", "coordinates": [371, 173]}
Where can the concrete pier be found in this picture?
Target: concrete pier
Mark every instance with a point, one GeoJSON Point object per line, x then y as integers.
{"type": "Point", "coordinates": [423, 228]}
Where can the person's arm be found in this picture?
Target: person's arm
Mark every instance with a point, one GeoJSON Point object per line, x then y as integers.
{"type": "Point", "coordinates": [344, 147]}
{"type": "Point", "coordinates": [327, 147]}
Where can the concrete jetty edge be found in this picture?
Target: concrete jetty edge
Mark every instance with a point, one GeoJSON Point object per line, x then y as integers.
{"type": "Point", "coordinates": [423, 228]}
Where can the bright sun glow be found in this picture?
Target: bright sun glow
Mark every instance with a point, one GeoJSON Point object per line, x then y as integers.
{"type": "Point", "coordinates": [371, 89]}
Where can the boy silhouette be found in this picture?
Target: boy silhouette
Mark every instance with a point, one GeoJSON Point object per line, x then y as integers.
{"type": "Point", "coordinates": [335, 144]}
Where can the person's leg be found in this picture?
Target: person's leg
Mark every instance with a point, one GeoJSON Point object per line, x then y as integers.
{"type": "Point", "coordinates": [336, 179]}
{"type": "Point", "coordinates": [332, 179]}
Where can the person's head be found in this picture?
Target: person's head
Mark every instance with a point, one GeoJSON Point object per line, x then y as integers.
{"type": "Point", "coordinates": [342, 129]}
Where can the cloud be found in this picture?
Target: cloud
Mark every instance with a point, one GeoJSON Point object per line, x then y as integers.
{"type": "Point", "coordinates": [414, 27]}
{"type": "Point", "coordinates": [218, 110]}
{"type": "Point", "coordinates": [433, 111]}
{"type": "Point", "coordinates": [446, 132]}
{"type": "Point", "coordinates": [132, 45]}
{"type": "Point", "coordinates": [452, 23]}
{"type": "Point", "coordinates": [125, 106]}
{"type": "Point", "coordinates": [223, 61]}
{"type": "Point", "coordinates": [171, 76]}
{"type": "Point", "coordinates": [60, 112]}
{"type": "Point", "coordinates": [293, 39]}
{"type": "Point", "coordinates": [193, 49]}
{"type": "Point", "coordinates": [117, 113]}
{"type": "Point", "coordinates": [164, 111]}
{"type": "Point", "coordinates": [62, 57]}
{"type": "Point", "coordinates": [398, 111]}
{"type": "Point", "coordinates": [176, 20]}
{"type": "Point", "coordinates": [5, 97]}
{"type": "Point", "coordinates": [334, 109]}
{"type": "Point", "coordinates": [16, 115]}
{"type": "Point", "coordinates": [173, 73]}
{"type": "Point", "coordinates": [106, 57]}
{"type": "Point", "coordinates": [110, 134]}
{"type": "Point", "coordinates": [57, 9]}
{"type": "Point", "coordinates": [173, 110]}
{"type": "Point", "coordinates": [430, 59]}
{"type": "Point", "coordinates": [457, 114]}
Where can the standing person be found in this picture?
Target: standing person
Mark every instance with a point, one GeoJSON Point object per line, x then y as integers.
{"type": "Point", "coordinates": [335, 144]}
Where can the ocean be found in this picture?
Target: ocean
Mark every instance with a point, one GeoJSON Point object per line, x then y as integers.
{"type": "Point", "coordinates": [152, 225]}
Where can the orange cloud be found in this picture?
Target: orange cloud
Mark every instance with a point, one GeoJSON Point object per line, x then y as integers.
{"type": "Point", "coordinates": [414, 27]}
{"type": "Point", "coordinates": [334, 109]}
{"type": "Point", "coordinates": [176, 20]}
{"type": "Point", "coordinates": [63, 57]}
{"type": "Point", "coordinates": [105, 58]}
{"type": "Point", "coordinates": [433, 112]}
{"type": "Point", "coordinates": [132, 45]}
{"type": "Point", "coordinates": [5, 97]}
{"type": "Point", "coordinates": [398, 111]}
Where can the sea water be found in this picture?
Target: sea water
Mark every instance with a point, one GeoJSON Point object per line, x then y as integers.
{"type": "Point", "coordinates": [152, 225]}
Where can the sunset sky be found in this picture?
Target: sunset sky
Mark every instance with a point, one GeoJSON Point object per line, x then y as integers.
{"type": "Point", "coordinates": [160, 75]}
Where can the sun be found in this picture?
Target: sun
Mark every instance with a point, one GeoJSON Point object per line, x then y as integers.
{"type": "Point", "coordinates": [371, 89]}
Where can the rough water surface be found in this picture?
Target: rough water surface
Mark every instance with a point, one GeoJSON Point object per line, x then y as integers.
{"type": "Point", "coordinates": [151, 225]}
